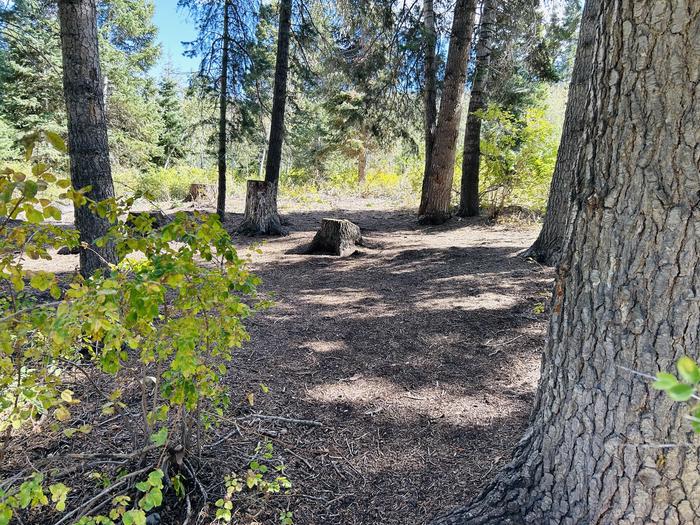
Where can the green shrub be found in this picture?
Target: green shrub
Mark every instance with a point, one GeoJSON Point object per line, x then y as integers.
{"type": "Point", "coordinates": [163, 184]}
{"type": "Point", "coordinates": [518, 157]}
{"type": "Point", "coordinates": [171, 311]}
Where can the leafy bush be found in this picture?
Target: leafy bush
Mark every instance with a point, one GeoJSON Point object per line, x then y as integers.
{"type": "Point", "coordinates": [518, 157]}
{"type": "Point", "coordinates": [163, 184]}
{"type": "Point", "coordinates": [172, 311]}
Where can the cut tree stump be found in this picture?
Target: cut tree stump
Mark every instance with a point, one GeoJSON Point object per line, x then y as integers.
{"type": "Point", "coordinates": [261, 217]}
{"type": "Point", "coordinates": [336, 237]}
{"type": "Point", "coordinates": [198, 192]}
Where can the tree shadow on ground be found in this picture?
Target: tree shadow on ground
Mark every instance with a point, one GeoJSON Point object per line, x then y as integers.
{"type": "Point", "coordinates": [420, 359]}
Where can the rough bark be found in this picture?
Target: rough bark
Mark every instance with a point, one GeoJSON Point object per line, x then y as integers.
{"type": "Point", "coordinates": [547, 248]}
{"type": "Point", "coordinates": [435, 200]}
{"type": "Point", "coordinates": [261, 217]}
{"type": "Point", "coordinates": [223, 108]}
{"type": "Point", "coordinates": [336, 237]}
{"type": "Point", "coordinates": [266, 221]}
{"type": "Point", "coordinates": [87, 127]}
{"type": "Point", "coordinates": [430, 94]}
{"type": "Point", "coordinates": [626, 294]}
{"type": "Point", "coordinates": [471, 160]}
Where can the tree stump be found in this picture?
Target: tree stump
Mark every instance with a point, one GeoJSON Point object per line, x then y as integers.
{"type": "Point", "coordinates": [336, 237]}
{"type": "Point", "coordinates": [200, 191]}
{"type": "Point", "coordinates": [261, 217]}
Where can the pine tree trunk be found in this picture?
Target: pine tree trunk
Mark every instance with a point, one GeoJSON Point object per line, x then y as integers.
{"type": "Point", "coordinates": [263, 218]}
{"type": "Point", "coordinates": [87, 127]}
{"type": "Point", "coordinates": [361, 165]}
{"type": "Point", "coordinates": [430, 95]}
{"type": "Point", "coordinates": [547, 248]}
{"type": "Point", "coordinates": [223, 107]}
{"type": "Point", "coordinates": [469, 197]}
{"type": "Point", "coordinates": [435, 200]}
{"type": "Point", "coordinates": [626, 294]}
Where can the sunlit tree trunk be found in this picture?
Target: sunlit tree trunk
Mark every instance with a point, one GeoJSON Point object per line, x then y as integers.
{"type": "Point", "coordinates": [87, 127]}
{"type": "Point", "coordinates": [469, 196]}
{"type": "Point", "coordinates": [430, 94]}
{"type": "Point", "coordinates": [261, 216]}
{"type": "Point", "coordinates": [435, 200]}
{"type": "Point", "coordinates": [547, 248]}
{"type": "Point", "coordinates": [627, 294]}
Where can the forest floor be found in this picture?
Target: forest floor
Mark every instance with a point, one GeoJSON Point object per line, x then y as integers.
{"type": "Point", "coordinates": [419, 358]}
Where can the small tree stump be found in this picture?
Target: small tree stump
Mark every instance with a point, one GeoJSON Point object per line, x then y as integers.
{"type": "Point", "coordinates": [261, 217]}
{"type": "Point", "coordinates": [336, 237]}
{"type": "Point", "coordinates": [200, 191]}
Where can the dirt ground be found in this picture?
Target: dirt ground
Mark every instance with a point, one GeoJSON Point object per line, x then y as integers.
{"type": "Point", "coordinates": [418, 356]}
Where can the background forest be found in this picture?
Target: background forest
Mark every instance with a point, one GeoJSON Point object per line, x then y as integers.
{"type": "Point", "coordinates": [356, 81]}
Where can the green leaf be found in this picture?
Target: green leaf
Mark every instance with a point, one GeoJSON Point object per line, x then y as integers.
{"type": "Point", "coordinates": [159, 438]}
{"type": "Point", "coordinates": [688, 370]}
{"type": "Point", "coordinates": [664, 381]}
{"type": "Point", "coordinates": [56, 141]}
{"type": "Point", "coordinates": [5, 515]}
{"type": "Point", "coordinates": [58, 495]}
{"type": "Point", "coordinates": [42, 281]}
{"type": "Point", "coordinates": [134, 517]}
{"type": "Point", "coordinates": [681, 392]}
{"type": "Point", "coordinates": [33, 215]}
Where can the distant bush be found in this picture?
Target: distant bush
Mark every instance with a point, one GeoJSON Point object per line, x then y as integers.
{"type": "Point", "coordinates": [518, 157]}
{"type": "Point", "coordinates": [163, 184]}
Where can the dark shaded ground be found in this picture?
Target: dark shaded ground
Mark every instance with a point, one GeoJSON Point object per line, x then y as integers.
{"type": "Point", "coordinates": [419, 357]}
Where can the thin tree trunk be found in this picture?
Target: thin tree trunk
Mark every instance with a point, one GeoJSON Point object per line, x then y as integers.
{"type": "Point", "coordinates": [626, 294]}
{"type": "Point", "coordinates": [261, 217]}
{"type": "Point", "coordinates": [469, 197]}
{"type": "Point", "coordinates": [435, 200]}
{"type": "Point", "coordinates": [223, 107]}
{"type": "Point", "coordinates": [87, 126]}
{"type": "Point", "coordinates": [430, 95]}
{"type": "Point", "coordinates": [279, 97]}
{"type": "Point", "coordinates": [547, 248]}
{"type": "Point", "coordinates": [362, 165]}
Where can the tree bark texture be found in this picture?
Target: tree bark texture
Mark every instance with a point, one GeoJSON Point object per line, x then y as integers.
{"type": "Point", "coordinates": [547, 248]}
{"type": "Point", "coordinates": [627, 294]}
{"type": "Point", "coordinates": [223, 109]}
{"type": "Point", "coordinates": [87, 127]}
{"type": "Point", "coordinates": [478, 101]}
{"type": "Point", "coordinates": [435, 200]}
{"type": "Point", "coordinates": [261, 217]}
{"type": "Point", "coordinates": [430, 94]}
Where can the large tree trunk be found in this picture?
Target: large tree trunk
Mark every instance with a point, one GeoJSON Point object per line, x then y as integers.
{"type": "Point", "coordinates": [469, 197]}
{"type": "Point", "coordinates": [223, 107]}
{"type": "Point", "coordinates": [435, 200]}
{"type": "Point", "coordinates": [87, 128]}
{"type": "Point", "coordinates": [547, 248]}
{"type": "Point", "coordinates": [626, 294]}
{"type": "Point", "coordinates": [266, 220]}
{"type": "Point", "coordinates": [261, 217]}
{"type": "Point", "coordinates": [430, 95]}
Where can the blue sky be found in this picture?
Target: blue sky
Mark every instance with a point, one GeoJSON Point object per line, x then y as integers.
{"type": "Point", "coordinates": [174, 27]}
